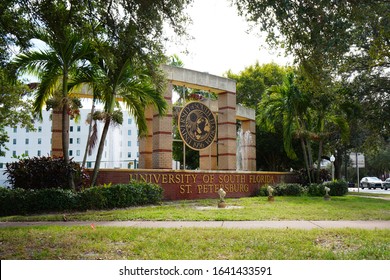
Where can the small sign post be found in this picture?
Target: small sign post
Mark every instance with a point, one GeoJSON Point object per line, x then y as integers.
{"type": "Point", "coordinates": [358, 162]}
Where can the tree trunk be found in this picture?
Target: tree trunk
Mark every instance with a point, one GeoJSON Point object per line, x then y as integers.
{"type": "Point", "coordinates": [319, 158]}
{"type": "Point", "coordinates": [89, 135]}
{"type": "Point", "coordinates": [100, 151]}
{"type": "Point", "coordinates": [305, 158]}
{"type": "Point", "coordinates": [65, 127]}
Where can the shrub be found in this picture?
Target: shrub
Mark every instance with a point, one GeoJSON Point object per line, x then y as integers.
{"type": "Point", "coordinates": [23, 201]}
{"type": "Point", "coordinates": [315, 190]}
{"type": "Point", "coordinates": [337, 188]}
{"type": "Point", "coordinates": [119, 195]}
{"type": "Point", "coordinates": [43, 173]}
{"type": "Point", "coordinates": [289, 189]}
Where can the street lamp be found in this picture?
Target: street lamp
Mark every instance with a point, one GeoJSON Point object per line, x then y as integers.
{"type": "Point", "coordinates": [332, 159]}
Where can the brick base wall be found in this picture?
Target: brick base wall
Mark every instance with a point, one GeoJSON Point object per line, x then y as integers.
{"type": "Point", "coordinates": [182, 185]}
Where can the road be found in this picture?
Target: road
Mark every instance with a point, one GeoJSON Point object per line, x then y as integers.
{"type": "Point", "coordinates": [365, 190]}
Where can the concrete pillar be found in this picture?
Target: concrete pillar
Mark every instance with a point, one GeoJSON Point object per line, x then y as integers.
{"type": "Point", "coordinates": [227, 131]}
{"type": "Point", "coordinates": [208, 158]}
{"type": "Point", "coordinates": [162, 135]}
{"type": "Point", "coordinates": [146, 142]}
{"type": "Point", "coordinates": [56, 134]}
{"type": "Point", "coordinates": [250, 125]}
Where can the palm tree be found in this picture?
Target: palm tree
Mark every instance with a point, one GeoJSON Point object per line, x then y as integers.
{"type": "Point", "coordinates": [130, 81]}
{"type": "Point", "coordinates": [65, 51]}
{"type": "Point", "coordinates": [288, 105]}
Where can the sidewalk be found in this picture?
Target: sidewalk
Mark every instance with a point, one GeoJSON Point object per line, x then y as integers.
{"type": "Point", "coordinates": [215, 224]}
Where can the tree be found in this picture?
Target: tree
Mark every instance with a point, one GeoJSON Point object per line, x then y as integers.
{"type": "Point", "coordinates": [332, 40]}
{"type": "Point", "coordinates": [15, 107]}
{"type": "Point", "coordinates": [66, 51]}
{"type": "Point", "coordinates": [129, 47]}
{"type": "Point", "coordinates": [252, 82]}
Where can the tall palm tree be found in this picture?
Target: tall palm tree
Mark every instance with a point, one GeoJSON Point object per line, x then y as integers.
{"type": "Point", "coordinates": [130, 81]}
{"type": "Point", "coordinates": [65, 51]}
{"type": "Point", "coordinates": [288, 105]}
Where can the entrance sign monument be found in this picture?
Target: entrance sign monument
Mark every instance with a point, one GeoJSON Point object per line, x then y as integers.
{"type": "Point", "coordinates": [207, 126]}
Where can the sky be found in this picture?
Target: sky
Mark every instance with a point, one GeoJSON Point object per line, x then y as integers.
{"type": "Point", "coordinates": [222, 41]}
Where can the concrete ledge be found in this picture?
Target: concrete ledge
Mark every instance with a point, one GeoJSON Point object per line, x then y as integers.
{"type": "Point", "coordinates": [198, 80]}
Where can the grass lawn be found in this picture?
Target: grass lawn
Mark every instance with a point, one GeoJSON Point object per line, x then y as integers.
{"type": "Point", "coordinates": [244, 209]}
{"type": "Point", "coordinates": [53, 242]}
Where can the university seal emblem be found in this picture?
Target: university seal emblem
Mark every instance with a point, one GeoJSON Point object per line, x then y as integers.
{"type": "Point", "coordinates": [197, 125]}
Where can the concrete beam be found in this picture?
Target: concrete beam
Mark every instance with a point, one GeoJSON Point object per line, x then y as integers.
{"type": "Point", "coordinates": [198, 80]}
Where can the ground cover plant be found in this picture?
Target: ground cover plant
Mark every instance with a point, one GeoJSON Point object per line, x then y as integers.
{"type": "Point", "coordinates": [50, 242]}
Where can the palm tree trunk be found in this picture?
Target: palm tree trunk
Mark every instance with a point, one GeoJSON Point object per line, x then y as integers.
{"type": "Point", "coordinates": [65, 126]}
{"type": "Point", "coordinates": [305, 158]}
{"type": "Point", "coordinates": [89, 135]}
{"type": "Point", "coordinates": [319, 157]}
{"type": "Point", "coordinates": [310, 159]}
{"type": "Point", "coordinates": [100, 151]}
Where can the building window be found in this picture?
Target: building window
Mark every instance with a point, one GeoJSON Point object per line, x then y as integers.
{"type": "Point", "coordinates": [39, 153]}
{"type": "Point", "coordinates": [14, 153]}
{"type": "Point", "coordinates": [129, 121]}
{"type": "Point", "coordinates": [26, 153]}
{"type": "Point", "coordinates": [129, 132]}
{"type": "Point", "coordinates": [70, 153]}
{"type": "Point", "coordinates": [129, 154]}
{"type": "Point", "coordinates": [70, 140]}
{"type": "Point", "coordinates": [27, 141]}
{"type": "Point", "coordinates": [39, 128]}
{"type": "Point", "coordinates": [78, 128]}
{"type": "Point", "coordinates": [128, 143]}
{"type": "Point", "coordinates": [78, 140]}
{"type": "Point", "coordinates": [27, 129]}
{"type": "Point", "coordinates": [71, 128]}
{"type": "Point", "coordinates": [15, 129]}
{"type": "Point", "coordinates": [78, 153]}
{"type": "Point", "coordinates": [39, 141]}
{"type": "Point", "coordinates": [14, 141]}
{"type": "Point", "coordinates": [1, 165]}
{"type": "Point", "coordinates": [89, 164]}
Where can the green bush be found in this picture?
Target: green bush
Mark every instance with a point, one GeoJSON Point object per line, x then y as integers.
{"type": "Point", "coordinates": [26, 201]}
{"type": "Point", "coordinates": [337, 188]}
{"type": "Point", "coordinates": [289, 189]}
{"type": "Point", "coordinates": [43, 173]}
{"type": "Point", "coordinates": [315, 190]}
{"type": "Point", "coordinates": [283, 189]}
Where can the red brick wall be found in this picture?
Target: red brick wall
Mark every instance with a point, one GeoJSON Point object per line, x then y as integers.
{"type": "Point", "coordinates": [181, 185]}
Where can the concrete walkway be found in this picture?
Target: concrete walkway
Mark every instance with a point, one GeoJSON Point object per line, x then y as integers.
{"type": "Point", "coordinates": [215, 224]}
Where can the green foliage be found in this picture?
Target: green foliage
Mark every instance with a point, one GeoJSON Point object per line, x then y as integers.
{"type": "Point", "coordinates": [315, 190]}
{"type": "Point", "coordinates": [337, 188]}
{"type": "Point", "coordinates": [43, 173]}
{"type": "Point", "coordinates": [284, 189]}
{"type": "Point", "coordinates": [24, 201]}
{"type": "Point", "coordinates": [27, 201]}
{"type": "Point", "coordinates": [289, 189]}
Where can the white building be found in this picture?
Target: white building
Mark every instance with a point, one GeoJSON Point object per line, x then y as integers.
{"type": "Point", "coordinates": [120, 151]}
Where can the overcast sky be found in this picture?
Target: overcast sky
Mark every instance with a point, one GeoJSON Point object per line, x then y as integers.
{"type": "Point", "coordinates": [221, 41]}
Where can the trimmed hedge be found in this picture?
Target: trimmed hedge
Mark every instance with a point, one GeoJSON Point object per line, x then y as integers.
{"type": "Point", "coordinates": [284, 189]}
{"type": "Point", "coordinates": [21, 201]}
{"type": "Point", "coordinates": [337, 188]}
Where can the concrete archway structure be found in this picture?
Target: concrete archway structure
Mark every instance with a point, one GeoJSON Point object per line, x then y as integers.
{"type": "Point", "coordinates": [156, 148]}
